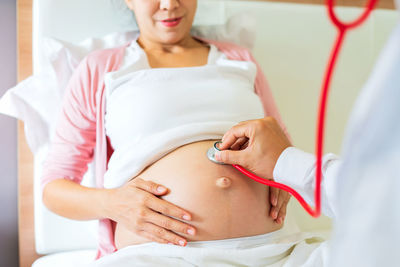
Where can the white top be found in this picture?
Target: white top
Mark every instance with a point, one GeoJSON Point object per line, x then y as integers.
{"type": "Point", "coordinates": [152, 111]}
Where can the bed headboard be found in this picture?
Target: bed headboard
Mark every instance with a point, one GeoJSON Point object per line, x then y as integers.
{"type": "Point", "coordinates": [27, 250]}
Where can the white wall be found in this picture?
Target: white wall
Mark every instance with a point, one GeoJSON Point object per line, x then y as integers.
{"type": "Point", "coordinates": [8, 139]}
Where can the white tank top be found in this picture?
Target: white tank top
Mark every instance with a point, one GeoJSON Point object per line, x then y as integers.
{"type": "Point", "coordinates": [152, 111]}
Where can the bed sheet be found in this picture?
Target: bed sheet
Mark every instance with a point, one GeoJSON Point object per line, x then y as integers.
{"type": "Point", "coordinates": [66, 259]}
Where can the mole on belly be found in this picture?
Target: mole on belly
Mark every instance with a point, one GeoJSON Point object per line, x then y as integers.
{"type": "Point", "coordinates": [223, 182]}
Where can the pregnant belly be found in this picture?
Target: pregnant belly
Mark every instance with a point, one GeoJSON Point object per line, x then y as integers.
{"type": "Point", "coordinates": [223, 202]}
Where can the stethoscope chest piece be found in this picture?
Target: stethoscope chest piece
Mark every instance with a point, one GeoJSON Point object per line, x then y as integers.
{"type": "Point", "coordinates": [211, 153]}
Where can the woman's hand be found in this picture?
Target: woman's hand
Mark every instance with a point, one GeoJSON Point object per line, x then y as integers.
{"type": "Point", "coordinates": [279, 200]}
{"type": "Point", "coordinates": [138, 208]}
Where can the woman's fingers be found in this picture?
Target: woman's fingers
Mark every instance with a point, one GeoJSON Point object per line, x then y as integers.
{"type": "Point", "coordinates": [150, 186]}
{"type": "Point", "coordinates": [153, 225]}
{"type": "Point", "coordinates": [282, 211]}
{"type": "Point", "coordinates": [280, 208]}
{"type": "Point", "coordinates": [273, 195]}
{"type": "Point", "coordinates": [152, 237]}
{"type": "Point", "coordinates": [161, 233]}
{"type": "Point", "coordinates": [170, 223]}
{"type": "Point", "coordinates": [167, 208]}
{"type": "Point", "coordinates": [277, 208]}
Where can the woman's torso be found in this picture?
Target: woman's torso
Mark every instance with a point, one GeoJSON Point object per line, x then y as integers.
{"type": "Point", "coordinates": [223, 202]}
{"type": "Point", "coordinates": [173, 118]}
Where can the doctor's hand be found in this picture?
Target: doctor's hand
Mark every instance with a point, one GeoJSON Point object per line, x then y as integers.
{"type": "Point", "coordinates": [136, 206]}
{"type": "Point", "coordinates": [256, 145]}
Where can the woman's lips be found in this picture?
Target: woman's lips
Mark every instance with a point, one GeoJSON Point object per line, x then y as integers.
{"type": "Point", "coordinates": [171, 22]}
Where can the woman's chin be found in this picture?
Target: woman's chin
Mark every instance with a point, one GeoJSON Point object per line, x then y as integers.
{"type": "Point", "coordinates": [171, 37]}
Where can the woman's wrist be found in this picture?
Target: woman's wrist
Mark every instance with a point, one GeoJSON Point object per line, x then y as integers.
{"type": "Point", "coordinates": [105, 201]}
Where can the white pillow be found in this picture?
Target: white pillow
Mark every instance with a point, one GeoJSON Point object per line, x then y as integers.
{"type": "Point", "coordinates": [64, 57]}
{"type": "Point", "coordinates": [35, 101]}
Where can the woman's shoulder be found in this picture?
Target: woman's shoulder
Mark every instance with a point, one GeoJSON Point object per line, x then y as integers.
{"type": "Point", "coordinates": [105, 59]}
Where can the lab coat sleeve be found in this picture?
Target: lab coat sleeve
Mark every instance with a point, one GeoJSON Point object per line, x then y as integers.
{"type": "Point", "coordinates": [297, 169]}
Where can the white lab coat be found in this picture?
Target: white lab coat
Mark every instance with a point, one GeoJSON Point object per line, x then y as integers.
{"type": "Point", "coordinates": [362, 190]}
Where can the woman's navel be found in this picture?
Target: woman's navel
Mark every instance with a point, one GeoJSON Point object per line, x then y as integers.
{"type": "Point", "coordinates": [223, 182]}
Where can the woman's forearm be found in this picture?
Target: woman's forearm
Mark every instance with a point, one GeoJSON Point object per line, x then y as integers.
{"type": "Point", "coordinates": [74, 201]}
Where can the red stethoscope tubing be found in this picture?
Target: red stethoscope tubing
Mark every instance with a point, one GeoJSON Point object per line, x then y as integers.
{"type": "Point", "coordinates": [342, 29]}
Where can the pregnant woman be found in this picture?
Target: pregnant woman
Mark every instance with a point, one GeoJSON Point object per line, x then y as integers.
{"type": "Point", "coordinates": [147, 113]}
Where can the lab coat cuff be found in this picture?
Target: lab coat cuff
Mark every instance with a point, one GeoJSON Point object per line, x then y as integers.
{"type": "Point", "coordinates": [293, 166]}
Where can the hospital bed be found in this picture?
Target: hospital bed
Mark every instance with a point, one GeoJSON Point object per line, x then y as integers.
{"type": "Point", "coordinates": [293, 39]}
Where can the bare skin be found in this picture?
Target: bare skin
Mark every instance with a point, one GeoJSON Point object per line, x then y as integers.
{"type": "Point", "coordinates": [258, 145]}
{"type": "Point", "coordinates": [223, 202]}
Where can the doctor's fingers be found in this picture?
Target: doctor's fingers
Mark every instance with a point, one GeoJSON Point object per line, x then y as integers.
{"type": "Point", "coordinates": [240, 143]}
{"type": "Point", "coordinates": [239, 157]}
{"type": "Point", "coordinates": [242, 130]}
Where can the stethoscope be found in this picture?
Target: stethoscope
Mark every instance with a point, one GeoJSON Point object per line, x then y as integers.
{"type": "Point", "coordinates": [342, 29]}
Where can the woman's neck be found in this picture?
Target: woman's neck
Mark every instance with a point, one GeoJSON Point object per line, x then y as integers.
{"type": "Point", "coordinates": [183, 45]}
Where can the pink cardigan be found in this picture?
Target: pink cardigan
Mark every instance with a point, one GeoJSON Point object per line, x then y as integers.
{"type": "Point", "coordinates": [80, 135]}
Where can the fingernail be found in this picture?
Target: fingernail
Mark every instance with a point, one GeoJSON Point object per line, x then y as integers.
{"type": "Point", "coordinates": [274, 200]}
{"type": "Point", "coordinates": [218, 156]}
{"type": "Point", "coordinates": [161, 189]}
{"type": "Point", "coordinates": [186, 217]}
{"type": "Point", "coordinates": [182, 243]}
{"type": "Point", "coordinates": [190, 232]}
{"type": "Point", "coordinates": [274, 214]}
